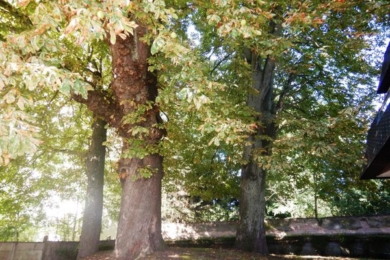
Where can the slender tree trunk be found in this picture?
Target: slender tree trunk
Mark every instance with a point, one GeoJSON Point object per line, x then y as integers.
{"type": "Point", "coordinates": [315, 197]}
{"type": "Point", "coordinates": [76, 215]}
{"type": "Point", "coordinates": [92, 219]}
{"type": "Point", "coordinates": [251, 229]}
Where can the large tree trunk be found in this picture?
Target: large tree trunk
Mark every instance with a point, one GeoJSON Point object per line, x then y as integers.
{"type": "Point", "coordinates": [128, 103]}
{"type": "Point", "coordinates": [251, 229]}
{"type": "Point", "coordinates": [92, 219]}
{"type": "Point", "coordinates": [139, 226]}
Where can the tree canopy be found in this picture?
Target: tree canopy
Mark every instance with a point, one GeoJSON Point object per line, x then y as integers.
{"type": "Point", "coordinates": [283, 88]}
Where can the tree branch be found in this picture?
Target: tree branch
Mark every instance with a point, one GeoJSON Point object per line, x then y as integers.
{"type": "Point", "coordinates": [286, 88]}
{"type": "Point", "coordinates": [220, 62]}
{"type": "Point", "coordinates": [103, 105]}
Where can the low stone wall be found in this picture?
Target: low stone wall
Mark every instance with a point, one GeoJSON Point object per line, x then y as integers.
{"type": "Point", "coordinates": [370, 245]}
{"type": "Point", "coordinates": [181, 231]}
{"type": "Point", "coordinates": [330, 226]}
{"type": "Point", "coordinates": [378, 225]}
{"type": "Point", "coordinates": [335, 236]}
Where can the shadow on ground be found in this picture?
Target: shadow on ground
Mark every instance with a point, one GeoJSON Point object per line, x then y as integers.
{"type": "Point", "coordinates": [176, 253]}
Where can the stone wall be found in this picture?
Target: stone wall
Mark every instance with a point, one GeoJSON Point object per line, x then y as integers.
{"type": "Point", "coordinates": [336, 236]}
{"type": "Point", "coordinates": [378, 225]}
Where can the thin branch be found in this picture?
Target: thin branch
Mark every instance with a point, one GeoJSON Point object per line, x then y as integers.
{"type": "Point", "coordinates": [220, 62]}
{"type": "Point", "coordinates": [54, 96]}
{"type": "Point", "coordinates": [286, 88]}
{"type": "Point", "coordinates": [69, 151]}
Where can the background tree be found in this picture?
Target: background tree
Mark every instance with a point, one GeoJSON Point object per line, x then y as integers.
{"type": "Point", "coordinates": [93, 210]}
{"type": "Point", "coordinates": [21, 210]}
{"type": "Point", "coordinates": [54, 171]}
{"type": "Point", "coordinates": [298, 51]}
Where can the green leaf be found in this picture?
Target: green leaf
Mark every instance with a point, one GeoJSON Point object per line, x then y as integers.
{"type": "Point", "coordinates": [65, 87]}
{"type": "Point", "coordinates": [157, 45]}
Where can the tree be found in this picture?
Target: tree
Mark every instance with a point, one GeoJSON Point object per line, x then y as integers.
{"type": "Point", "coordinates": [299, 52]}
{"type": "Point", "coordinates": [294, 53]}
{"type": "Point", "coordinates": [21, 210]}
{"type": "Point", "coordinates": [127, 103]}
{"type": "Point", "coordinates": [93, 210]}
{"type": "Point", "coordinates": [321, 157]}
{"type": "Point", "coordinates": [55, 170]}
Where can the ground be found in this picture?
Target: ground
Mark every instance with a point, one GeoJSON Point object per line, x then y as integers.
{"type": "Point", "coordinates": [176, 253]}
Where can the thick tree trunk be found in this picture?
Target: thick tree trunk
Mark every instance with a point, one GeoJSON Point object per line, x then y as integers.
{"type": "Point", "coordinates": [251, 229]}
{"type": "Point", "coordinates": [139, 226]}
{"type": "Point", "coordinates": [92, 219]}
{"type": "Point", "coordinates": [130, 103]}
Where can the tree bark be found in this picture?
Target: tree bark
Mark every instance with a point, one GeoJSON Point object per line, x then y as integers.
{"type": "Point", "coordinates": [251, 229]}
{"type": "Point", "coordinates": [315, 197]}
{"type": "Point", "coordinates": [129, 103]}
{"type": "Point", "coordinates": [92, 219]}
{"type": "Point", "coordinates": [139, 226]}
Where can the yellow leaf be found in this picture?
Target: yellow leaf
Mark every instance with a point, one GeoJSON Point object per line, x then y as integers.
{"type": "Point", "coordinates": [122, 35]}
{"type": "Point", "coordinates": [100, 14]}
{"type": "Point", "coordinates": [1, 84]}
{"type": "Point", "coordinates": [112, 37]}
{"type": "Point", "coordinates": [21, 103]}
{"type": "Point", "coordinates": [9, 98]}
{"type": "Point", "coordinates": [23, 3]}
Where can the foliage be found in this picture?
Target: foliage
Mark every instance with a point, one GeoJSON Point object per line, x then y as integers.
{"type": "Point", "coordinates": [321, 82]}
{"type": "Point", "coordinates": [369, 198]}
{"type": "Point", "coordinates": [57, 170]}
{"type": "Point", "coordinates": [20, 196]}
{"type": "Point", "coordinates": [317, 161]}
{"type": "Point", "coordinates": [323, 86]}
